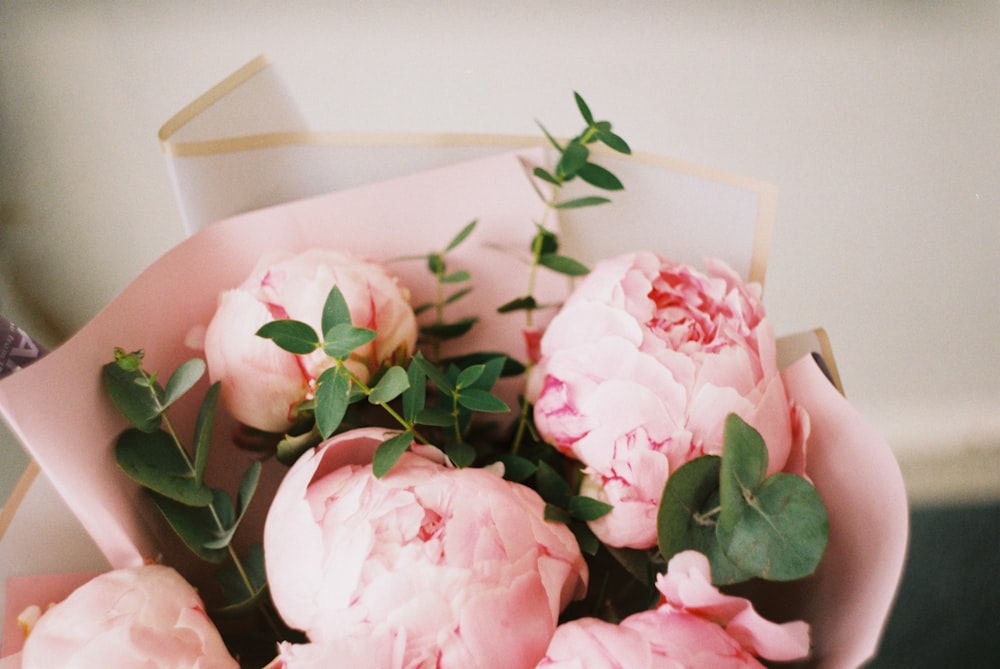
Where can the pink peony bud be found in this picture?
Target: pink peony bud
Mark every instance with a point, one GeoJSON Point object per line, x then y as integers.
{"type": "Point", "coordinates": [262, 383]}
{"type": "Point", "coordinates": [639, 370]}
{"type": "Point", "coordinates": [144, 617]}
{"type": "Point", "coordinates": [694, 626]}
{"type": "Point", "coordinates": [454, 567]}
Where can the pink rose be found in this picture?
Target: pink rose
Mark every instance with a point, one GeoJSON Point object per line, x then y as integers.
{"type": "Point", "coordinates": [262, 383]}
{"type": "Point", "coordinates": [456, 566]}
{"type": "Point", "coordinates": [146, 617]}
{"type": "Point", "coordinates": [639, 370]}
{"type": "Point", "coordinates": [694, 626]}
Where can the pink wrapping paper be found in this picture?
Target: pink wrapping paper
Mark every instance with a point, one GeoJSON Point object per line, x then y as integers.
{"type": "Point", "coordinates": [60, 412]}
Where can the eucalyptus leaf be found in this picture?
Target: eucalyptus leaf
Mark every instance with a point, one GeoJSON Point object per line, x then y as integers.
{"type": "Point", "coordinates": [688, 516]}
{"type": "Point", "coordinates": [203, 431]}
{"type": "Point", "coordinates": [557, 514]}
{"type": "Point", "coordinates": [182, 380]}
{"type": "Point", "coordinates": [435, 417]}
{"type": "Point", "coordinates": [241, 597]}
{"type": "Point", "coordinates": [457, 295]}
{"type": "Point", "coordinates": [142, 407]}
{"type": "Point", "coordinates": [291, 447]}
{"type": "Point", "coordinates": [292, 336]}
{"type": "Point", "coordinates": [154, 461]}
{"type": "Point", "coordinates": [517, 468]}
{"type": "Point", "coordinates": [544, 241]}
{"type": "Point", "coordinates": [435, 263]}
{"type": "Point", "coordinates": [775, 527]}
{"type": "Point", "coordinates": [195, 526]}
{"type": "Point", "coordinates": [508, 366]}
{"type": "Point", "coordinates": [390, 386]}
{"type": "Point", "coordinates": [387, 453]}
{"type": "Point", "coordinates": [551, 486]}
{"type": "Point", "coordinates": [232, 518]}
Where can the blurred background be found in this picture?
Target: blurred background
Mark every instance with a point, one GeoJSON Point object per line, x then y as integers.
{"type": "Point", "coordinates": [878, 123]}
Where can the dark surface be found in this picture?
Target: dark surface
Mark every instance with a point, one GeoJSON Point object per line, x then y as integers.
{"type": "Point", "coordinates": [947, 613]}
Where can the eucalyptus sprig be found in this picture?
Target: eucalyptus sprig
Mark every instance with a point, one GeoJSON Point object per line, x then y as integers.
{"type": "Point", "coordinates": [153, 455]}
{"type": "Point", "coordinates": [748, 524]}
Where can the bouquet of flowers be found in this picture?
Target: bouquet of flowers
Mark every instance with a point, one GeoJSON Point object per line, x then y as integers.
{"type": "Point", "coordinates": [347, 435]}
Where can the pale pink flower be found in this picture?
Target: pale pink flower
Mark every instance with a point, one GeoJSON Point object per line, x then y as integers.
{"type": "Point", "coordinates": [456, 565]}
{"type": "Point", "coordinates": [639, 370]}
{"type": "Point", "coordinates": [262, 383]}
{"type": "Point", "coordinates": [144, 617]}
{"type": "Point", "coordinates": [694, 626]}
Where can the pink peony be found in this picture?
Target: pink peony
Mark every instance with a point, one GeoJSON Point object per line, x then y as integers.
{"type": "Point", "coordinates": [262, 383]}
{"type": "Point", "coordinates": [146, 617]}
{"type": "Point", "coordinates": [639, 370]}
{"type": "Point", "coordinates": [453, 567]}
{"type": "Point", "coordinates": [694, 626]}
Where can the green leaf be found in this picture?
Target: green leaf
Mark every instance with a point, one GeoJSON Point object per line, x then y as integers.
{"type": "Point", "coordinates": [332, 399]}
{"type": "Point", "coordinates": [335, 310]}
{"type": "Point", "coordinates": [140, 406]}
{"type": "Point", "coordinates": [563, 264]}
{"type": "Point", "coordinates": [154, 461]}
{"type": "Point", "coordinates": [481, 400]}
{"type": "Point", "coordinates": [544, 241]}
{"type": "Point", "coordinates": [389, 451]}
{"type": "Point", "coordinates": [517, 468]}
{"type": "Point", "coordinates": [248, 486]}
{"type": "Point", "coordinates": [552, 487]}
{"type": "Point", "coordinates": [508, 367]}
{"type": "Point", "coordinates": [518, 304]}
{"type": "Point", "coordinates": [546, 176]}
{"type": "Point", "coordinates": [589, 201]}
{"type": "Point", "coordinates": [461, 236]}
{"type": "Point", "coordinates": [456, 277]}
{"type": "Point", "coordinates": [292, 336]}
{"type": "Point", "coordinates": [291, 447]}
{"type": "Point", "coordinates": [613, 141]}
{"type": "Point", "coordinates": [415, 395]}
{"type": "Point", "coordinates": [588, 542]}
{"type": "Point", "coordinates": [587, 508]}
{"type": "Point", "coordinates": [392, 384]}
{"type": "Point", "coordinates": [557, 514]}
{"type": "Point", "coordinates": [468, 376]}
{"type": "Point", "coordinates": [774, 527]}
{"type": "Point", "coordinates": [457, 295]}
{"type": "Point", "coordinates": [203, 431]}
{"type": "Point", "coordinates": [574, 157]}
{"type": "Point", "coordinates": [461, 454]}
{"type": "Point", "coordinates": [182, 380]}
{"type": "Point", "coordinates": [435, 417]}
{"type": "Point", "coordinates": [688, 515]}
{"type": "Point", "coordinates": [238, 596]}
{"type": "Point", "coordinates": [195, 526]}
{"type": "Point", "coordinates": [599, 177]}
{"type": "Point", "coordinates": [449, 330]}
{"type": "Point", "coordinates": [341, 340]}
{"type": "Point", "coordinates": [492, 370]}
{"type": "Point", "coordinates": [584, 109]}
{"type": "Point", "coordinates": [435, 263]}
{"type": "Point", "coordinates": [437, 377]}
{"type": "Point", "coordinates": [552, 140]}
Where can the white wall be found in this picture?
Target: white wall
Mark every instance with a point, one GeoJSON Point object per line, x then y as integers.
{"type": "Point", "coordinates": [877, 121]}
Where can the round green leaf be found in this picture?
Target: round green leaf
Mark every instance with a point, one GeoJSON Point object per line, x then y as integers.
{"type": "Point", "coordinates": [153, 460]}
{"type": "Point", "coordinates": [292, 336]}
